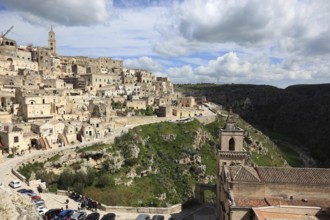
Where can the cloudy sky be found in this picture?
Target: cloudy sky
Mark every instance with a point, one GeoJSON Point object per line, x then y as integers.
{"type": "Point", "coordinates": [275, 42]}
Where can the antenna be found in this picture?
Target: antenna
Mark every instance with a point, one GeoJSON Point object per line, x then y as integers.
{"type": "Point", "coordinates": [3, 35]}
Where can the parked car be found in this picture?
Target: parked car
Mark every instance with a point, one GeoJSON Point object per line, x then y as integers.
{"type": "Point", "coordinates": [37, 198]}
{"type": "Point", "coordinates": [38, 202]}
{"type": "Point", "coordinates": [39, 205]}
{"type": "Point", "coordinates": [109, 216]}
{"type": "Point", "coordinates": [143, 217]}
{"type": "Point", "coordinates": [158, 217]}
{"type": "Point", "coordinates": [28, 192]}
{"type": "Point", "coordinates": [25, 190]}
{"type": "Point", "coordinates": [15, 184]}
{"type": "Point", "coordinates": [40, 208]}
{"type": "Point", "coordinates": [93, 216]}
{"type": "Point", "coordinates": [64, 214]}
{"type": "Point", "coordinates": [80, 215]}
{"type": "Point", "coordinates": [51, 214]}
{"type": "Point", "coordinates": [42, 211]}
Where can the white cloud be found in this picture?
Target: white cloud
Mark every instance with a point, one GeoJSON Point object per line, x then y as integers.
{"type": "Point", "coordinates": [231, 68]}
{"type": "Point", "coordinates": [182, 74]}
{"type": "Point", "coordinates": [272, 42]}
{"type": "Point", "coordinates": [63, 12]}
{"type": "Point", "coordinates": [289, 25]}
{"type": "Point", "coordinates": [146, 63]}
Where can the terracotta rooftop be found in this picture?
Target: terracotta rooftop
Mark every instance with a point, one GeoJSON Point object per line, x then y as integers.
{"type": "Point", "coordinates": [244, 173]}
{"type": "Point", "coordinates": [240, 202]}
{"type": "Point", "coordinates": [262, 215]}
{"type": "Point", "coordinates": [319, 176]}
{"type": "Point", "coordinates": [293, 202]}
{"type": "Point", "coordinates": [294, 175]}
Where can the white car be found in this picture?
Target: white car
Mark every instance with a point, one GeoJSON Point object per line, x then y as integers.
{"type": "Point", "coordinates": [41, 207]}
{"type": "Point", "coordinates": [42, 211]}
{"type": "Point", "coordinates": [15, 184]}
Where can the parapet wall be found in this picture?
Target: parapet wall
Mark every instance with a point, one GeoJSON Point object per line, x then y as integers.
{"type": "Point", "coordinates": [130, 209]}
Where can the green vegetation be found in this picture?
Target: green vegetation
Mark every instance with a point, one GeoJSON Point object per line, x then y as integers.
{"type": "Point", "coordinates": [299, 112]}
{"type": "Point", "coordinates": [160, 156]}
{"type": "Point", "coordinates": [27, 169]}
{"type": "Point", "coordinates": [161, 146]}
{"type": "Point", "coordinates": [148, 111]}
{"type": "Point", "coordinates": [117, 105]}
{"type": "Point", "coordinates": [76, 181]}
{"type": "Point", "coordinates": [55, 158]}
{"type": "Point", "coordinates": [291, 156]}
{"type": "Point", "coordinates": [264, 151]}
{"type": "Point", "coordinates": [215, 126]}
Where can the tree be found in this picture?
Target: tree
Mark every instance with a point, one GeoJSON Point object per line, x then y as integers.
{"type": "Point", "coordinates": [105, 180]}
{"type": "Point", "coordinates": [65, 180]}
{"type": "Point", "coordinates": [78, 188]}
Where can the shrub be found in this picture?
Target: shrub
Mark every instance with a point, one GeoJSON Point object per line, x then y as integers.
{"type": "Point", "coordinates": [104, 181]}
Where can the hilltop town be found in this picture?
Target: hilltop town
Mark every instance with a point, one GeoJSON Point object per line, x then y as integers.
{"type": "Point", "coordinates": [49, 100]}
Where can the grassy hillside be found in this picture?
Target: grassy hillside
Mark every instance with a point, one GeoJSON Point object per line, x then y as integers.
{"type": "Point", "coordinates": [165, 169]}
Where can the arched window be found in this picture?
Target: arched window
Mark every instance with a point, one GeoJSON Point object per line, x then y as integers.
{"type": "Point", "coordinates": [232, 144]}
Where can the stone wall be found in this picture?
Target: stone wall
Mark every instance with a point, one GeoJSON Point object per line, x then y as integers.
{"type": "Point", "coordinates": [140, 120]}
{"type": "Point", "coordinates": [281, 190]}
{"type": "Point", "coordinates": [152, 210]}
{"type": "Point", "coordinates": [130, 209]}
{"type": "Point", "coordinates": [206, 119]}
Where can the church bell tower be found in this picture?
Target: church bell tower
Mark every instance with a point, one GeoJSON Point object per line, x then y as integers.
{"type": "Point", "coordinates": [52, 41]}
{"type": "Point", "coordinates": [231, 139]}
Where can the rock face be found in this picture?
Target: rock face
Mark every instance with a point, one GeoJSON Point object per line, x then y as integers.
{"type": "Point", "coordinates": [200, 138]}
{"type": "Point", "coordinates": [168, 137]}
{"type": "Point", "coordinates": [132, 151]}
{"type": "Point", "coordinates": [14, 206]}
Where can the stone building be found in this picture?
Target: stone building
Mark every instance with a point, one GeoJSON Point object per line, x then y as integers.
{"type": "Point", "coordinates": [244, 188]}
{"type": "Point", "coordinates": [12, 139]}
{"type": "Point", "coordinates": [40, 87]}
{"type": "Point", "coordinates": [136, 104]}
{"type": "Point", "coordinates": [245, 192]}
{"type": "Point", "coordinates": [231, 143]}
{"type": "Point", "coordinates": [186, 102]}
{"type": "Point", "coordinates": [52, 41]}
{"type": "Point", "coordinates": [41, 104]}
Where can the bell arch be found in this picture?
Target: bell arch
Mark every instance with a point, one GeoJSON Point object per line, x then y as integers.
{"type": "Point", "coordinates": [232, 144]}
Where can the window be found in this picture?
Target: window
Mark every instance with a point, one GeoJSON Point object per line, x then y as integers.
{"type": "Point", "coordinates": [232, 144]}
{"type": "Point", "coordinates": [16, 139]}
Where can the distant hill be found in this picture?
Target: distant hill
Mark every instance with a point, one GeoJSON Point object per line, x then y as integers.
{"type": "Point", "coordinates": [300, 113]}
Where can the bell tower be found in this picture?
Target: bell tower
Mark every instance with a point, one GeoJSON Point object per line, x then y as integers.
{"type": "Point", "coordinates": [231, 139]}
{"type": "Point", "coordinates": [52, 41]}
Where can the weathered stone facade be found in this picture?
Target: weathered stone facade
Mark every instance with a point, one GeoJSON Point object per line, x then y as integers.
{"type": "Point", "coordinates": [42, 89]}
